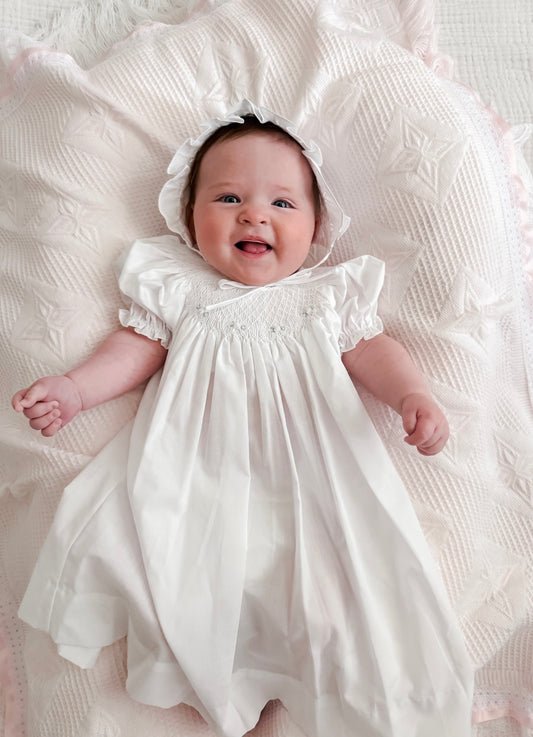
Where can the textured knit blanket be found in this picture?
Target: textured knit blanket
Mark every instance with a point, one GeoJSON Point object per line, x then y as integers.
{"type": "Point", "coordinates": [436, 187]}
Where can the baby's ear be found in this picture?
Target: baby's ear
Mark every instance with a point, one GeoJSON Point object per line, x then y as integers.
{"type": "Point", "coordinates": [318, 226]}
{"type": "Point", "coordinates": [189, 220]}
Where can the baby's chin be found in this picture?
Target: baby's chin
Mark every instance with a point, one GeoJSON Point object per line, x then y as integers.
{"type": "Point", "coordinates": [261, 280]}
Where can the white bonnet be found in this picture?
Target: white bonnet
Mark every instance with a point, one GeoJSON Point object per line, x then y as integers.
{"type": "Point", "coordinates": [174, 196]}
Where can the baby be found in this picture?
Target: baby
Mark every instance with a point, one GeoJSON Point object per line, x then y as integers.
{"type": "Point", "coordinates": [254, 210]}
{"type": "Point", "coordinates": [269, 548]}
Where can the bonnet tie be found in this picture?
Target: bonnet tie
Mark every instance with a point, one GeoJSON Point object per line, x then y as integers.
{"type": "Point", "coordinates": [305, 276]}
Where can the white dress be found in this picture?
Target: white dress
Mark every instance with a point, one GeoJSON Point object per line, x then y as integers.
{"type": "Point", "coordinates": [263, 546]}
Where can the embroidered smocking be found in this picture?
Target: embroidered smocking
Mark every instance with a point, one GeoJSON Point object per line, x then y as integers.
{"type": "Point", "coordinates": [271, 314]}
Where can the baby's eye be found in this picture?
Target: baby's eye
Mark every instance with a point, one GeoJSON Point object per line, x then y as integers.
{"type": "Point", "coordinates": [281, 203]}
{"type": "Point", "coordinates": [229, 198]}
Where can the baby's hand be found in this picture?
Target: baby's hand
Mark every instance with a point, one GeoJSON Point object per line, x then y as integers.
{"type": "Point", "coordinates": [49, 403]}
{"type": "Point", "coordinates": [425, 424]}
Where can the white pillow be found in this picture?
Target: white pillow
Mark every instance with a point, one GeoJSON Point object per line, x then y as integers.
{"type": "Point", "coordinates": [425, 175]}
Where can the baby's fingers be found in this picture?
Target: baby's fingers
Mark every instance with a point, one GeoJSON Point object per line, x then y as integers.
{"type": "Point", "coordinates": [434, 444]}
{"type": "Point", "coordinates": [48, 423]}
{"type": "Point", "coordinates": [409, 418]}
{"type": "Point", "coordinates": [428, 437]}
{"type": "Point", "coordinates": [26, 398]}
{"type": "Point", "coordinates": [421, 432]}
{"type": "Point", "coordinates": [40, 409]}
{"type": "Point", "coordinates": [17, 400]}
{"type": "Point", "coordinates": [54, 427]}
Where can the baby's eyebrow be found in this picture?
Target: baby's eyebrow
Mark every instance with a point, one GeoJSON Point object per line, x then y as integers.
{"type": "Point", "coordinates": [226, 185]}
{"type": "Point", "coordinates": [221, 185]}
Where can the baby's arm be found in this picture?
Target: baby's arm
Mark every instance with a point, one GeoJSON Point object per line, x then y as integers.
{"type": "Point", "coordinates": [385, 368]}
{"type": "Point", "coordinates": [123, 361]}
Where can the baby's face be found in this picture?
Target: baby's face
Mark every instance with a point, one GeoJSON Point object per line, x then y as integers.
{"type": "Point", "coordinates": [253, 217]}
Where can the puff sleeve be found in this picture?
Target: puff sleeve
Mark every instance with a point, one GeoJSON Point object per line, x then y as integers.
{"type": "Point", "coordinates": [362, 281]}
{"type": "Point", "coordinates": [150, 280]}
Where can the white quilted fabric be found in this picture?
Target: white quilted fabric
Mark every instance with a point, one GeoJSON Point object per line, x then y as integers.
{"type": "Point", "coordinates": [425, 174]}
{"type": "Point", "coordinates": [491, 44]}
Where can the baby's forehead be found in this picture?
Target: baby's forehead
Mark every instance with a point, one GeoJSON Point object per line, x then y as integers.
{"type": "Point", "coordinates": [230, 157]}
{"type": "Point", "coordinates": [231, 148]}
{"type": "Point", "coordinates": [273, 139]}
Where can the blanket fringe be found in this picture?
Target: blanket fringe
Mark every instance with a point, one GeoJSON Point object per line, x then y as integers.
{"type": "Point", "coordinates": [87, 30]}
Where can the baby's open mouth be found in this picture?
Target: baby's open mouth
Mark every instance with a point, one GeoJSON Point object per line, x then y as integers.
{"type": "Point", "coordinates": [253, 247]}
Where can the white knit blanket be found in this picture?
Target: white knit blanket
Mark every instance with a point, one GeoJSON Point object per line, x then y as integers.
{"type": "Point", "coordinates": [435, 187]}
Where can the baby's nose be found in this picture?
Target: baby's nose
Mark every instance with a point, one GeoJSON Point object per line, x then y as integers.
{"type": "Point", "coordinates": [253, 215]}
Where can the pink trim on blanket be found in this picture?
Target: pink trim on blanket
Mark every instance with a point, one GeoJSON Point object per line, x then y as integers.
{"type": "Point", "coordinates": [12, 712]}
{"type": "Point", "coordinates": [510, 712]}
{"type": "Point", "coordinates": [520, 197]}
{"type": "Point", "coordinates": [443, 66]}
{"type": "Point", "coordinates": [522, 200]}
{"type": "Point", "coordinates": [519, 193]}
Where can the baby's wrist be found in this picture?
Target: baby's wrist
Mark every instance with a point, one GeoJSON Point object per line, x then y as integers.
{"type": "Point", "coordinates": [76, 390]}
{"type": "Point", "coordinates": [416, 399]}
{"type": "Point", "coordinates": [410, 396]}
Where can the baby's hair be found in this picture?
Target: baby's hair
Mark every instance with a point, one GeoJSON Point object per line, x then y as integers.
{"type": "Point", "coordinates": [237, 130]}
